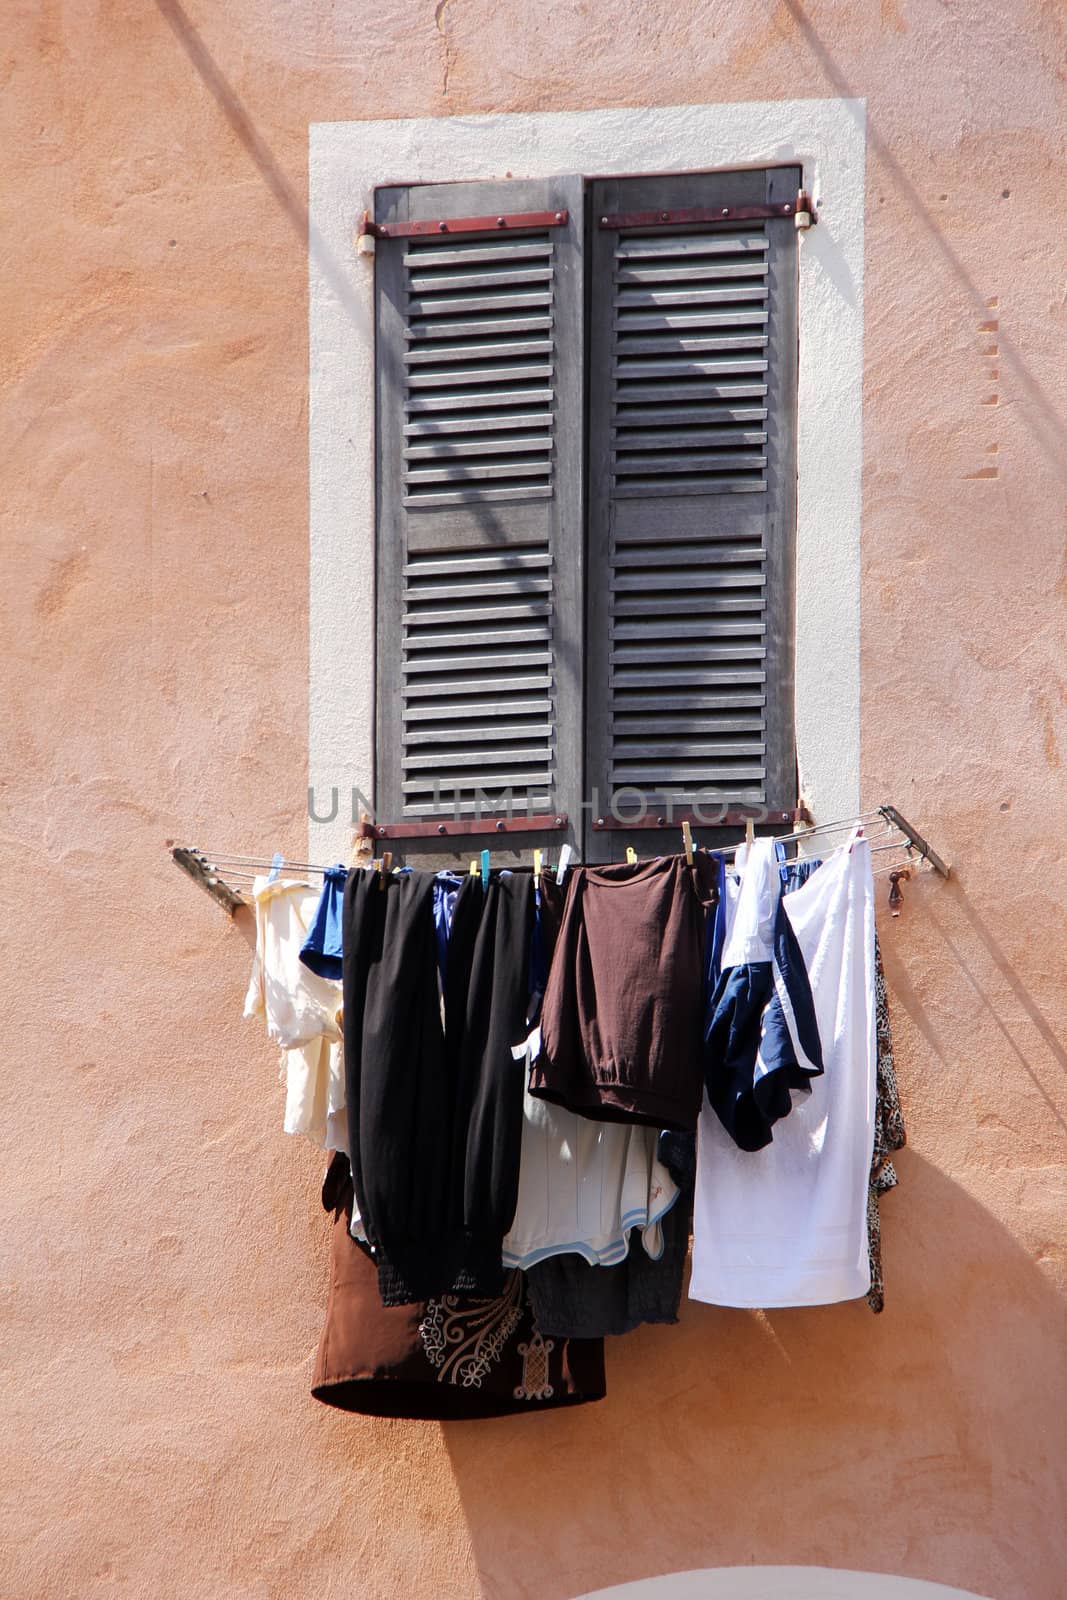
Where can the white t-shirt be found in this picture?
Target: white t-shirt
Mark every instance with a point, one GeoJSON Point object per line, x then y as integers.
{"type": "Point", "coordinates": [315, 1092]}
{"type": "Point", "coordinates": [295, 1003]}
{"type": "Point", "coordinates": [787, 1225]}
{"type": "Point", "coordinates": [583, 1185]}
{"type": "Point", "coordinates": [301, 1010]}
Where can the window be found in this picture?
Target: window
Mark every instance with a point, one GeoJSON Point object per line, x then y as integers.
{"type": "Point", "coordinates": [586, 500]}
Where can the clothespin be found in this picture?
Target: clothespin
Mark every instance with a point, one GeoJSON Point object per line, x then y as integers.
{"type": "Point", "coordinates": [750, 832]}
{"type": "Point", "coordinates": [631, 856]}
{"type": "Point", "coordinates": [473, 869]}
{"type": "Point", "coordinates": [538, 857]}
{"type": "Point", "coordinates": [485, 870]}
{"type": "Point", "coordinates": [275, 866]}
{"type": "Point", "coordinates": [385, 866]}
{"type": "Point", "coordinates": [687, 842]}
{"type": "Point", "coordinates": [564, 862]}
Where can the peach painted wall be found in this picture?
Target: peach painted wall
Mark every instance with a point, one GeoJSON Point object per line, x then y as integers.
{"type": "Point", "coordinates": [163, 1251]}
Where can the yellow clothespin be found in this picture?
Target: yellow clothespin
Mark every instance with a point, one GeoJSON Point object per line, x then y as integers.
{"type": "Point", "coordinates": [687, 841]}
{"type": "Point", "coordinates": [631, 856]}
{"type": "Point", "coordinates": [538, 857]}
{"type": "Point", "coordinates": [474, 870]}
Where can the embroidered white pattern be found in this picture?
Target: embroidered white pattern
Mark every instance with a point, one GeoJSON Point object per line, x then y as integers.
{"type": "Point", "coordinates": [464, 1338]}
{"type": "Point", "coordinates": [535, 1353]}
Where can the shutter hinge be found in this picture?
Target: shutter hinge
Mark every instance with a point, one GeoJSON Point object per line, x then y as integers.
{"type": "Point", "coordinates": [701, 817]}
{"type": "Point", "coordinates": [801, 209]}
{"type": "Point", "coordinates": [463, 827]}
{"type": "Point", "coordinates": [506, 222]}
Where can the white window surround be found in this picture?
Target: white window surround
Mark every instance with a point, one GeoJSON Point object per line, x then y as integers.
{"type": "Point", "coordinates": [347, 160]}
{"type": "Point", "coordinates": [779, 1583]}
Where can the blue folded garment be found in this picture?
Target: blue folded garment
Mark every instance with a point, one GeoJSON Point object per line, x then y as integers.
{"type": "Point", "coordinates": [321, 950]}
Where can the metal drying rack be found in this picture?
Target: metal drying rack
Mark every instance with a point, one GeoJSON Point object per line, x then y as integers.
{"type": "Point", "coordinates": [222, 874]}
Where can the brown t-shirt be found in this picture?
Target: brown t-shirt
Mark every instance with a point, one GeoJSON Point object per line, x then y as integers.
{"type": "Point", "coordinates": [622, 1021]}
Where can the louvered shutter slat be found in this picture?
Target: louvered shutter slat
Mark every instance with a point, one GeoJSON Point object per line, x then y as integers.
{"type": "Point", "coordinates": [434, 427]}
{"type": "Point", "coordinates": [645, 246]}
{"type": "Point", "coordinates": [480, 495]}
{"type": "Point", "coordinates": [451, 282]}
{"type": "Point", "coordinates": [696, 392]}
{"type": "Point", "coordinates": [692, 374]}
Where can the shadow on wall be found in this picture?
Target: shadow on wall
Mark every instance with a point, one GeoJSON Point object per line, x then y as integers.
{"type": "Point", "coordinates": [919, 1443]}
{"type": "Point", "coordinates": [1046, 423]}
{"type": "Point", "coordinates": [970, 946]}
{"type": "Point", "coordinates": [259, 152]}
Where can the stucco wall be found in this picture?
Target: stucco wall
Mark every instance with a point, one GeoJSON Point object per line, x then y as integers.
{"type": "Point", "coordinates": [163, 1254]}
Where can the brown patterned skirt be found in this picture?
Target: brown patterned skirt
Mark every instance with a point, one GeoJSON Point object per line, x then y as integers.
{"type": "Point", "coordinates": [441, 1359]}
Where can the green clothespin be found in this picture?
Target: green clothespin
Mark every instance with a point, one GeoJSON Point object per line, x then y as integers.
{"type": "Point", "coordinates": [485, 870]}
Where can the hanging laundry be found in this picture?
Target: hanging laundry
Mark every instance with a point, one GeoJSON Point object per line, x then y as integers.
{"type": "Point", "coordinates": [889, 1136]}
{"type": "Point", "coordinates": [315, 1093]}
{"type": "Point", "coordinates": [721, 918]}
{"type": "Point", "coordinates": [573, 1300]}
{"type": "Point", "coordinates": [296, 1004]}
{"type": "Point", "coordinates": [446, 887]}
{"type": "Point", "coordinates": [302, 1011]}
{"type": "Point", "coordinates": [584, 1187]}
{"type": "Point", "coordinates": [486, 994]}
{"type": "Point", "coordinates": [445, 1358]}
{"type": "Point", "coordinates": [728, 878]}
{"type": "Point", "coordinates": [621, 1024]}
{"type": "Point", "coordinates": [549, 900]}
{"type": "Point", "coordinates": [321, 950]}
{"type": "Point", "coordinates": [787, 1225]}
{"type": "Point", "coordinates": [395, 1081]}
{"type": "Point", "coordinates": [435, 1112]}
{"type": "Point", "coordinates": [761, 1044]}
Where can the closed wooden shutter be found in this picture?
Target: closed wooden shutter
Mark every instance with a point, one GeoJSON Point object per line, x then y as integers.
{"type": "Point", "coordinates": [692, 394]}
{"type": "Point", "coordinates": [480, 502]}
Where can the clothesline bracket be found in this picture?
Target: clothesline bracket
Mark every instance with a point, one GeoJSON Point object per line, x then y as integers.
{"type": "Point", "coordinates": [926, 851]}
{"type": "Point", "coordinates": [199, 868]}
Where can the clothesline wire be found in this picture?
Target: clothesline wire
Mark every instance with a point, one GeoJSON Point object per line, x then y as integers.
{"type": "Point", "coordinates": [234, 860]}
{"type": "Point", "coordinates": [259, 861]}
{"type": "Point", "coordinates": [825, 827]}
{"type": "Point", "coordinates": [252, 867]}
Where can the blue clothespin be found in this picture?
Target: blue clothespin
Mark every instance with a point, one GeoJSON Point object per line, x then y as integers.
{"type": "Point", "coordinates": [275, 866]}
{"type": "Point", "coordinates": [485, 870]}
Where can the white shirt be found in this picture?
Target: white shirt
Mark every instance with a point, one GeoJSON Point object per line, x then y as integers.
{"type": "Point", "coordinates": [787, 1225]}
{"type": "Point", "coordinates": [584, 1185]}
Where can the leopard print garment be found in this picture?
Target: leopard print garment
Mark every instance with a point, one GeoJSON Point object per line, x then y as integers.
{"type": "Point", "coordinates": [889, 1135]}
